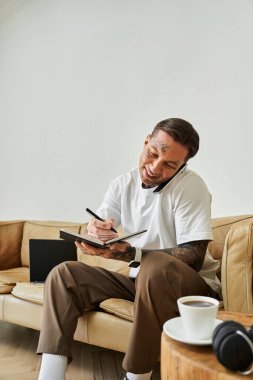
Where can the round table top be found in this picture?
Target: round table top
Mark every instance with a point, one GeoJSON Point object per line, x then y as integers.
{"type": "Point", "coordinates": [192, 362]}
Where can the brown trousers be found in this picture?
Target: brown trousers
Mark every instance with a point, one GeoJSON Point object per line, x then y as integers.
{"type": "Point", "coordinates": [73, 287]}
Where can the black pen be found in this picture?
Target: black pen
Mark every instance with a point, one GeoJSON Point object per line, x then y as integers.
{"type": "Point", "coordinates": [98, 217]}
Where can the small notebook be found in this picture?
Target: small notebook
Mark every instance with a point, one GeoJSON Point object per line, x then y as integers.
{"type": "Point", "coordinates": [45, 254]}
{"type": "Point", "coordinates": [72, 236]}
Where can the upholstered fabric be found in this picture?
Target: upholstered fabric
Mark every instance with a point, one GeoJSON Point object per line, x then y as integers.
{"type": "Point", "coordinates": [29, 291]}
{"type": "Point", "coordinates": [9, 278]}
{"type": "Point", "coordinates": [121, 308]}
{"type": "Point", "coordinates": [21, 312]}
{"type": "Point", "coordinates": [220, 228]}
{"type": "Point", "coordinates": [237, 267]}
{"type": "Point", "coordinates": [10, 243]}
{"type": "Point", "coordinates": [33, 292]}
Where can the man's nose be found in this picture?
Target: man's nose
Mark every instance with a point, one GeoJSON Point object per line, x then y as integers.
{"type": "Point", "coordinates": [156, 166]}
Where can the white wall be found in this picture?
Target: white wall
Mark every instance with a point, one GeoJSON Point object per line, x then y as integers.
{"type": "Point", "coordinates": [82, 82]}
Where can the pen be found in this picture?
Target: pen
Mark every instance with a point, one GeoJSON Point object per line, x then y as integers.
{"type": "Point", "coordinates": [97, 217]}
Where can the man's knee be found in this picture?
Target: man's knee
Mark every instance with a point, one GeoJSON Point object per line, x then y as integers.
{"type": "Point", "coordinates": [63, 272]}
{"type": "Point", "coordinates": [157, 264]}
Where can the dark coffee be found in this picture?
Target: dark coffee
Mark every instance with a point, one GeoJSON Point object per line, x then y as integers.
{"type": "Point", "coordinates": [199, 303]}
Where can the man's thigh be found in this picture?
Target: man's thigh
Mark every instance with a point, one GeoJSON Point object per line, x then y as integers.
{"type": "Point", "coordinates": [96, 284]}
{"type": "Point", "coordinates": [165, 271]}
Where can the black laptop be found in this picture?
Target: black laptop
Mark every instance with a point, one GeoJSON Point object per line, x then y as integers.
{"type": "Point", "coordinates": [45, 254]}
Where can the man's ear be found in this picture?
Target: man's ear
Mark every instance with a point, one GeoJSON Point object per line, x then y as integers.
{"type": "Point", "coordinates": [147, 139]}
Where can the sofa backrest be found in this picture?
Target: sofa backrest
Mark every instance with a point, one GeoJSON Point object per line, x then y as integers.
{"type": "Point", "coordinates": [220, 228]}
{"type": "Point", "coordinates": [51, 230]}
{"type": "Point", "coordinates": [42, 230]}
{"type": "Point", "coordinates": [15, 235]}
{"type": "Point", "coordinates": [237, 267]}
{"type": "Point", "coordinates": [11, 233]}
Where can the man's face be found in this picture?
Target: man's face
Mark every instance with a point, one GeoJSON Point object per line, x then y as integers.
{"type": "Point", "coordinates": [161, 158]}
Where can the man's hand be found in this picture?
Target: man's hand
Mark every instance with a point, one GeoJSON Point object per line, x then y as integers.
{"type": "Point", "coordinates": [117, 251]}
{"type": "Point", "coordinates": [101, 230]}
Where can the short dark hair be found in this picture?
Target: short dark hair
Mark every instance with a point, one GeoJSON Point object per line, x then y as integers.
{"type": "Point", "coordinates": [182, 132]}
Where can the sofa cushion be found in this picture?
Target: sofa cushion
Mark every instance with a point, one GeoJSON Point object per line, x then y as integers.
{"type": "Point", "coordinates": [42, 230]}
{"type": "Point", "coordinates": [119, 307]}
{"type": "Point", "coordinates": [9, 278]}
{"type": "Point", "coordinates": [220, 228]}
{"type": "Point", "coordinates": [29, 291]}
{"type": "Point", "coordinates": [237, 268]}
{"type": "Point", "coordinates": [33, 292]}
{"type": "Point", "coordinates": [10, 238]}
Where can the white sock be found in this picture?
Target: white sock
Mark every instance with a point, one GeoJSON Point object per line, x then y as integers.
{"type": "Point", "coordinates": [139, 376]}
{"type": "Point", "coordinates": [53, 367]}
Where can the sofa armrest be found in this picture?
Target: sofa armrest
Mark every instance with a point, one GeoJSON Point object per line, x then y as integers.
{"type": "Point", "coordinates": [236, 269]}
{"type": "Point", "coordinates": [11, 233]}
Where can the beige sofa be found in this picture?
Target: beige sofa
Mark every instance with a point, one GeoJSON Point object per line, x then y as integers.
{"type": "Point", "coordinates": [110, 326]}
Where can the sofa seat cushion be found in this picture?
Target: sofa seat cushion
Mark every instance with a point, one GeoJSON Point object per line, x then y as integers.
{"type": "Point", "coordinates": [119, 307]}
{"type": "Point", "coordinates": [33, 292]}
{"type": "Point", "coordinates": [9, 278]}
{"type": "Point", "coordinates": [29, 291]}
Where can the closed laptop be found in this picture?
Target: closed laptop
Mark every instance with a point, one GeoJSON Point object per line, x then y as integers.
{"type": "Point", "coordinates": [45, 254]}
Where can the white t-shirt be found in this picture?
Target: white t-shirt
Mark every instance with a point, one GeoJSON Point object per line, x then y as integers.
{"type": "Point", "coordinates": [177, 213]}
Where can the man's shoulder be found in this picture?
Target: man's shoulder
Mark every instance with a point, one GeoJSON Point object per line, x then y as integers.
{"type": "Point", "coordinates": [189, 175]}
{"type": "Point", "coordinates": [191, 184]}
{"type": "Point", "coordinates": [187, 178]}
{"type": "Point", "coordinates": [130, 177]}
{"type": "Point", "coordinates": [193, 176]}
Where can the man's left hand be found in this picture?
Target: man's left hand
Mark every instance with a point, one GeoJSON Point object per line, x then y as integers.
{"type": "Point", "coordinates": [117, 251]}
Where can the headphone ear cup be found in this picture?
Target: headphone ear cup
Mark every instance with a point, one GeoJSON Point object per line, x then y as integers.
{"type": "Point", "coordinates": [231, 349]}
{"type": "Point", "coordinates": [222, 330]}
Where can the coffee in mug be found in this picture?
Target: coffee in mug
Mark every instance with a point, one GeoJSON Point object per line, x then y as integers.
{"type": "Point", "coordinates": [198, 315]}
{"type": "Point", "coordinates": [198, 303]}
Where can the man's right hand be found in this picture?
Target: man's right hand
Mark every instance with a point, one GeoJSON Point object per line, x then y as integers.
{"type": "Point", "coordinates": [101, 230]}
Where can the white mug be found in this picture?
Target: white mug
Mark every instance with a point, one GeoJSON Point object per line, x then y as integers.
{"type": "Point", "coordinates": [198, 315]}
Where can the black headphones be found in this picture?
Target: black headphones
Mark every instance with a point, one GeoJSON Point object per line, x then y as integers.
{"type": "Point", "coordinates": [233, 346]}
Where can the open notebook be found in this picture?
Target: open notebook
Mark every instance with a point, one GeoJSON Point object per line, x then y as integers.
{"type": "Point", "coordinates": [73, 236]}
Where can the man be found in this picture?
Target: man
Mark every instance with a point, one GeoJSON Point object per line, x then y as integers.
{"type": "Point", "coordinates": [173, 204]}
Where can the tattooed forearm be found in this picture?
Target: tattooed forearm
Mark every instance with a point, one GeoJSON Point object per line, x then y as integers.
{"type": "Point", "coordinates": [128, 255]}
{"type": "Point", "coordinates": [191, 253]}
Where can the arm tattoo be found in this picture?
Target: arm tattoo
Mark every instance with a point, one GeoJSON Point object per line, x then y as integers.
{"type": "Point", "coordinates": [191, 253]}
{"type": "Point", "coordinates": [128, 255]}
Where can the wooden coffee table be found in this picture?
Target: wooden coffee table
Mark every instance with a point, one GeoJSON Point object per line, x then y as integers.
{"type": "Point", "coordinates": [180, 361]}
